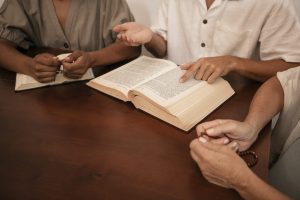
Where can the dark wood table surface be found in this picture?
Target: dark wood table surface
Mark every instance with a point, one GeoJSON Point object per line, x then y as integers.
{"type": "Point", "coordinates": [71, 142]}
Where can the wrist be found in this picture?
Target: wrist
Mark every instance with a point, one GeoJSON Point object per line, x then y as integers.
{"type": "Point", "coordinates": [151, 37]}
{"type": "Point", "coordinates": [246, 184]}
{"type": "Point", "coordinates": [29, 65]}
{"type": "Point", "coordinates": [237, 63]}
{"type": "Point", "coordinates": [93, 59]}
{"type": "Point", "coordinates": [254, 126]}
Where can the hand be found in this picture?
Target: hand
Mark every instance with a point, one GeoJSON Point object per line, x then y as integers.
{"type": "Point", "coordinates": [44, 68]}
{"type": "Point", "coordinates": [240, 134]}
{"type": "Point", "coordinates": [76, 64]}
{"type": "Point", "coordinates": [133, 34]}
{"type": "Point", "coordinates": [210, 68]}
{"type": "Point", "coordinates": [219, 164]}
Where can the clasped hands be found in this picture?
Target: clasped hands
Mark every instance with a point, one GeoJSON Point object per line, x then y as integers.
{"type": "Point", "coordinates": [215, 151]}
{"type": "Point", "coordinates": [45, 66]}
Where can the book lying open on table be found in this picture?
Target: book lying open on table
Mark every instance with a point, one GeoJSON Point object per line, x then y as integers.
{"type": "Point", "coordinates": [153, 86]}
{"type": "Point", "coordinates": [24, 82]}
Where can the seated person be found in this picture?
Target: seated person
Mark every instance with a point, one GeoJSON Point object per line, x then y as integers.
{"type": "Point", "coordinates": [222, 166]}
{"type": "Point", "coordinates": [214, 37]}
{"type": "Point", "coordinates": [84, 27]}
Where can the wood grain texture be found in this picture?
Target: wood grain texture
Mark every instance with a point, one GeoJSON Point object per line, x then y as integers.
{"type": "Point", "coordinates": [71, 142]}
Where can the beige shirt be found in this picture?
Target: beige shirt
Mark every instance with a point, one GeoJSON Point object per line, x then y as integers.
{"type": "Point", "coordinates": [88, 25]}
{"type": "Point", "coordinates": [287, 129]}
{"type": "Point", "coordinates": [229, 27]}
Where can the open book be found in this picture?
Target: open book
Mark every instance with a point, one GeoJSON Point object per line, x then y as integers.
{"type": "Point", "coordinates": [24, 82]}
{"type": "Point", "coordinates": [153, 86]}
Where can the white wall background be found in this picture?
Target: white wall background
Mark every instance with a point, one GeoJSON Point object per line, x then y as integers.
{"type": "Point", "coordinates": [145, 10]}
{"type": "Point", "coordinates": [297, 4]}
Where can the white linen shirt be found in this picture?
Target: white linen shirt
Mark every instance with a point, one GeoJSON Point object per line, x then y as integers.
{"type": "Point", "coordinates": [229, 27]}
{"type": "Point", "coordinates": [287, 129]}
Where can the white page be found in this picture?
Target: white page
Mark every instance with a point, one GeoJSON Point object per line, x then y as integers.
{"type": "Point", "coordinates": [27, 82]}
{"type": "Point", "coordinates": [135, 73]}
{"type": "Point", "coordinates": [166, 88]}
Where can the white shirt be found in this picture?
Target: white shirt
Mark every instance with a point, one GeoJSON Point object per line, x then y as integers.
{"type": "Point", "coordinates": [287, 129]}
{"type": "Point", "coordinates": [229, 27]}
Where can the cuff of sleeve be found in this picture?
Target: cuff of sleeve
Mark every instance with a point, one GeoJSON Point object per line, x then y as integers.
{"type": "Point", "coordinates": [281, 77]}
{"type": "Point", "coordinates": [289, 76]}
{"type": "Point", "coordinates": [286, 58]}
{"type": "Point", "coordinates": [161, 32]}
{"type": "Point", "coordinates": [15, 36]}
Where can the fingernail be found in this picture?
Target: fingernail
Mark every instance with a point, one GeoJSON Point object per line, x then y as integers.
{"type": "Point", "coordinates": [237, 149]}
{"type": "Point", "coordinates": [234, 144]}
{"type": "Point", "coordinates": [181, 80]}
{"type": "Point", "coordinates": [202, 139]}
{"type": "Point", "coordinates": [210, 131]}
{"type": "Point", "coordinates": [226, 141]}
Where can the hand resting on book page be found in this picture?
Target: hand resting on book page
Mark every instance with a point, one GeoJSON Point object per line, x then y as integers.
{"type": "Point", "coordinates": [152, 85]}
{"type": "Point", "coordinates": [44, 67]}
{"type": "Point", "coordinates": [209, 69]}
{"type": "Point", "coordinates": [76, 64]}
{"type": "Point", "coordinates": [25, 82]}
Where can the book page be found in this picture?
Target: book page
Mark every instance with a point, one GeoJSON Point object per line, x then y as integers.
{"type": "Point", "coordinates": [166, 88]}
{"type": "Point", "coordinates": [24, 82]}
{"type": "Point", "coordinates": [135, 73]}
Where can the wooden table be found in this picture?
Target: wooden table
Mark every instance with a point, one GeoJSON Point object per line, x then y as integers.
{"type": "Point", "coordinates": [71, 142]}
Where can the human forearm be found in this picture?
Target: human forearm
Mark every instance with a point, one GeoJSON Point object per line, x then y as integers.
{"type": "Point", "coordinates": [261, 70]}
{"type": "Point", "coordinates": [267, 102]}
{"type": "Point", "coordinates": [114, 53]}
{"type": "Point", "coordinates": [157, 46]}
{"type": "Point", "coordinates": [252, 187]}
{"type": "Point", "coordinates": [222, 166]}
{"type": "Point", "coordinates": [11, 59]}
{"type": "Point", "coordinates": [210, 68]}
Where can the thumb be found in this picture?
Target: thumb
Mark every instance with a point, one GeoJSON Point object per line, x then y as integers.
{"type": "Point", "coordinates": [121, 27]}
{"type": "Point", "coordinates": [202, 149]}
{"type": "Point", "coordinates": [73, 57]}
{"type": "Point", "coordinates": [221, 129]}
{"type": "Point", "coordinates": [210, 146]}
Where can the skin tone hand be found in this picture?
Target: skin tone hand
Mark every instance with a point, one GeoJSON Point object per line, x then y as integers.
{"type": "Point", "coordinates": [217, 161]}
{"type": "Point", "coordinates": [209, 69]}
{"type": "Point", "coordinates": [220, 165]}
{"type": "Point", "coordinates": [76, 64]}
{"type": "Point", "coordinates": [240, 135]}
{"type": "Point", "coordinates": [44, 67]}
{"type": "Point", "coordinates": [245, 133]}
{"type": "Point", "coordinates": [133, 34]}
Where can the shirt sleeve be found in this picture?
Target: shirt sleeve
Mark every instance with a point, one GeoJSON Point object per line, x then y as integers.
{"type": "Point", "coordinates": [160, 25]}
{"type": "Point", "coordinates": [14, 24]}
{"type": "Point", "coordinates": [117, 12]}
{"type": "Point", "coordinates": [280, 34]}
{"type": "Point", "coordinates": [290, 82]}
